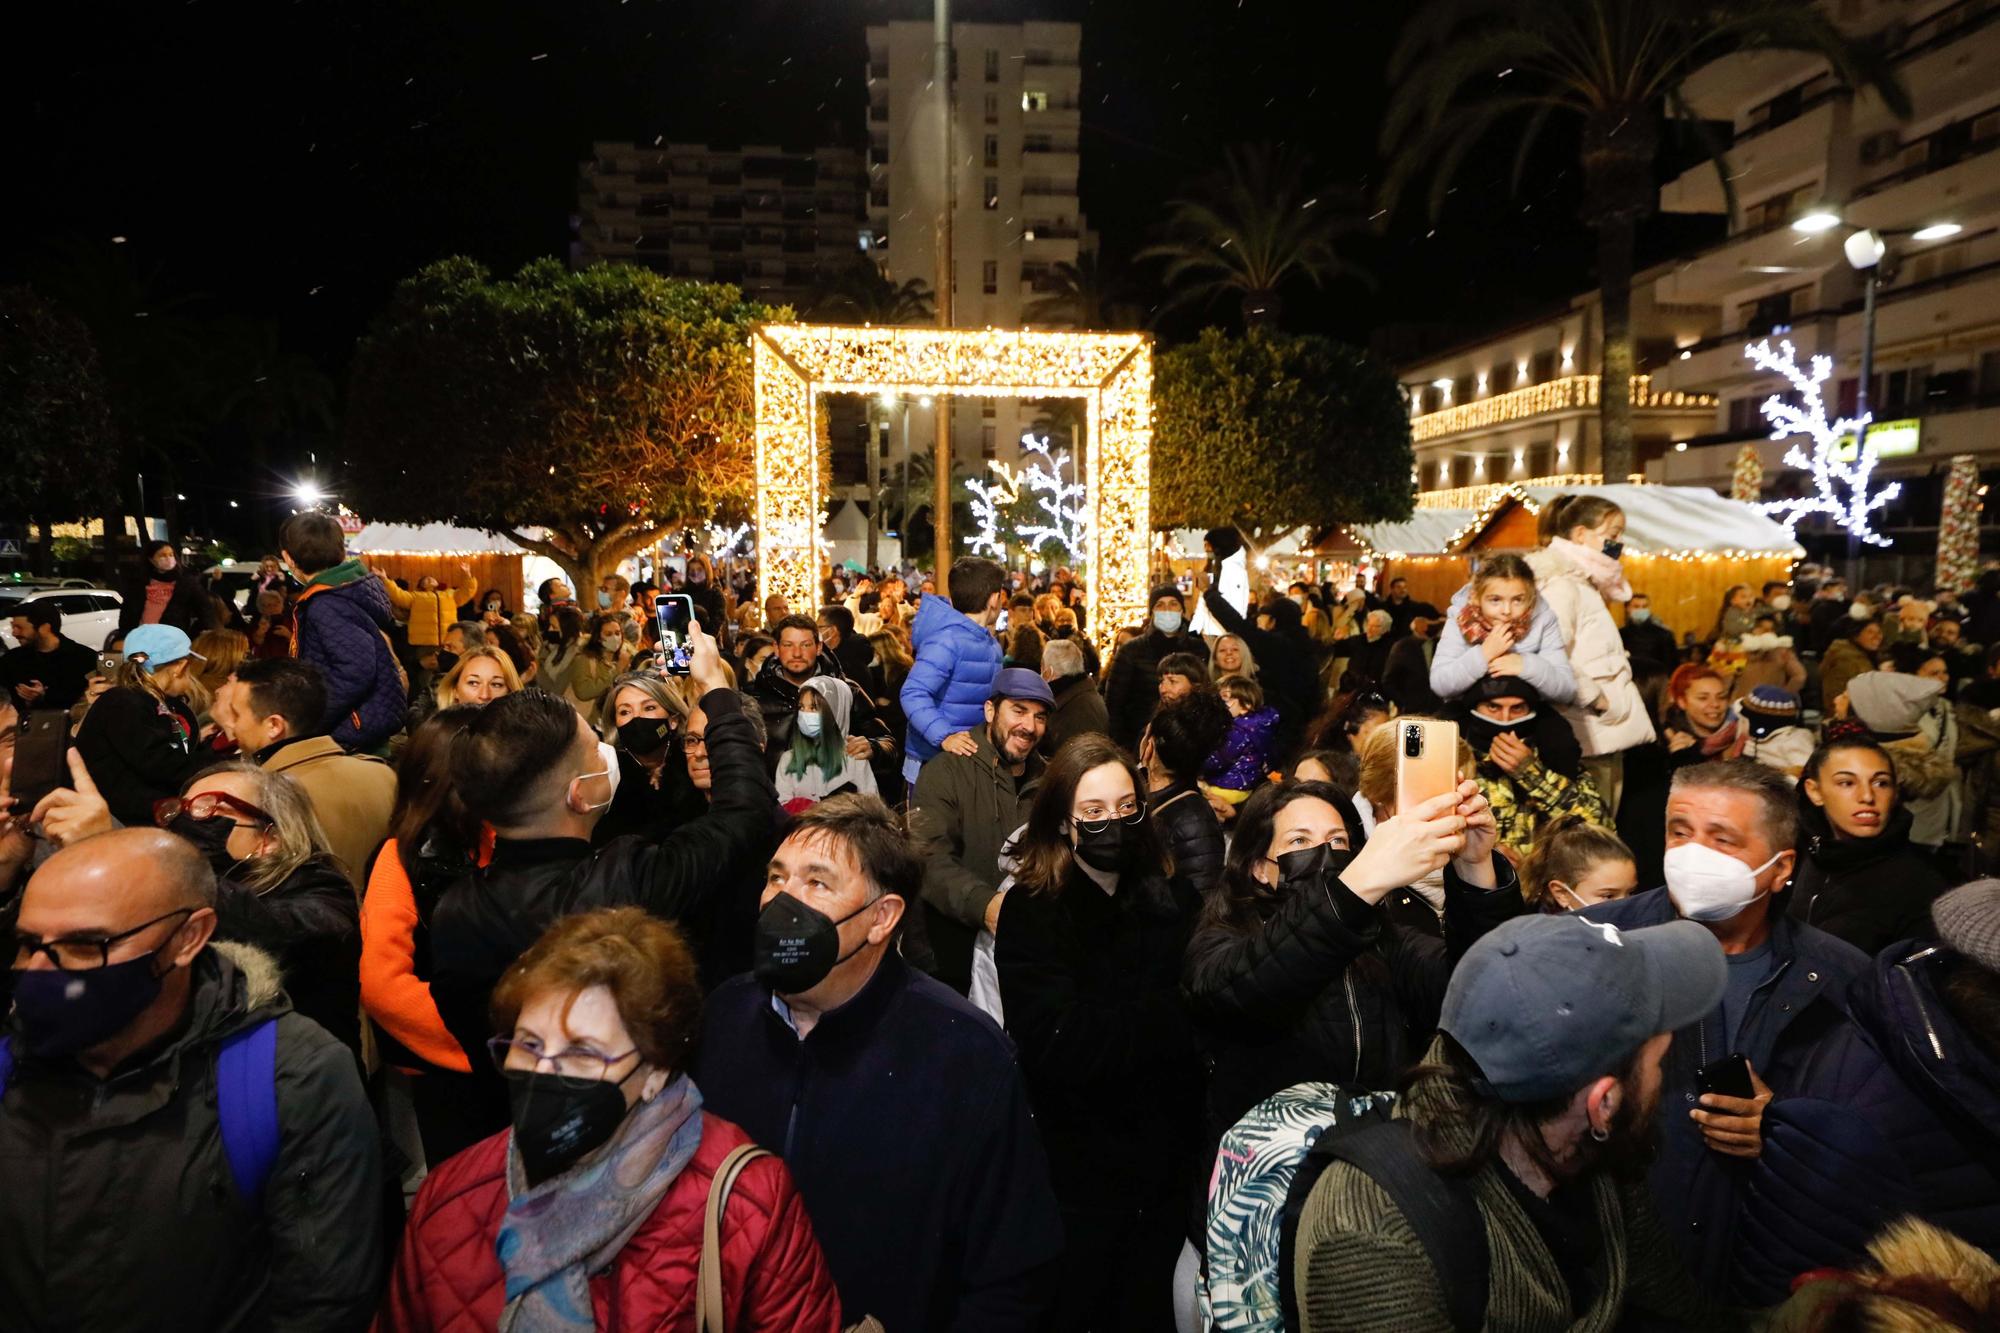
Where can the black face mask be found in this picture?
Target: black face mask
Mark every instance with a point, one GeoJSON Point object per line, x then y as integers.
{"type": "Point", "coordinates": [797, 946]}
{"type": "Point", "coordinates": [61, 1013]}
{"type": "Point", "coordinates": [446, 661]}
{"type": "Point", "coordinates": [210, 837]}
{"type": "Point", "coordinates": [644, 735]}
{"type": "Point", "coordinates": [1483, 731]}
{"type": "Point", "coordinates": [1301, 865]}
{"type": "Point", "coordinates": [556, 1125]}
{"type": "Point", "coordinates": [1102, 844]}
{"type": "Point", "coordinates": [1613, 548]}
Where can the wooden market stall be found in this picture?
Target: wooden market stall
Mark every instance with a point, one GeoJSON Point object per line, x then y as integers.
{"type": "Point", "coordinates": [408, 552]}
{"type": "Point", "coordinates": [1684, 545]}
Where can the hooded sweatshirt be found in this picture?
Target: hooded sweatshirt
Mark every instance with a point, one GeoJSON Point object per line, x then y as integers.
{"type": "Point", "coordinates": [836, 705]}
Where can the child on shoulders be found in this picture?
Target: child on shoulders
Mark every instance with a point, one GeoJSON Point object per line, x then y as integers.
{"type": "Point", "coordinates": [1497, 626]}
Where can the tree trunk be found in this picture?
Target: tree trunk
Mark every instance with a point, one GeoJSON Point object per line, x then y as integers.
{"type": "Point", "coordinates": [585, 559]}
{"type": "Point", "coordinates": [874, 488]}
{"type": "Point", "coordinates": [1614, 386]}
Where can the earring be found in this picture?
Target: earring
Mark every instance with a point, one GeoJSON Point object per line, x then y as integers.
{"type": "Point", "coordinates": [1601, 1135]}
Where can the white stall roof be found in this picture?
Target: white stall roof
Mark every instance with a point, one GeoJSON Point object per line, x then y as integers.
{"type": "Point", "coordinates": [1673, 519]}
{"type": "Point", "coordinates": [429, 539]}
{"type": "Point", "coordinates": [1425, 532]}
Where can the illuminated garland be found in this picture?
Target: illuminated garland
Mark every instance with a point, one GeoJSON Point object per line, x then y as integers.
{"type": "Point", "coordinates": [1831, 477]}
{"type": "Point", "coordinates": [1568, 393]}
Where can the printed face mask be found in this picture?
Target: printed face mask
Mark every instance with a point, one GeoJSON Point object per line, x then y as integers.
{"type": "Point", "coordinates": [557, 1125]}
{"type": "Point", "coordinates": [796, 945]}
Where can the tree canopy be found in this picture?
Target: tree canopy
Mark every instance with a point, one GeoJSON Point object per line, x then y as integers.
{"type": "Point", "coordinates": [1271, 432]}
{"type": "Point", "coordinates": [608, 406]}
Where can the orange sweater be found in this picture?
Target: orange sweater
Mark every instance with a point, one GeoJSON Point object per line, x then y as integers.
{"type": "Point", "coordinates": [392, 993]}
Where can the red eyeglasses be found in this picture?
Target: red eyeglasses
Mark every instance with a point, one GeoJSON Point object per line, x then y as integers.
{"type": "Point", "coordinates": [208, 805]}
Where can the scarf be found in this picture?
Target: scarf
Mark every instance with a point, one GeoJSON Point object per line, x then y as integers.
{"type": "Point", "coordinates": [340, 575]}
{"type": "Point", "coordinates": [554, 1236]}
{"type": "Point", "coordinates": [1474, 625]}
{"type": "Point", "coordinates": [1725, 742]}
{"type": "Point", "coordinates": [1605, 574]}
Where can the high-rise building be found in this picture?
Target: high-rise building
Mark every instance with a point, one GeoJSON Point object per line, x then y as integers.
{"type": "Point", "coordinates": [1016, 116]}
{"type": "Point", "coordinates": [778, 224]}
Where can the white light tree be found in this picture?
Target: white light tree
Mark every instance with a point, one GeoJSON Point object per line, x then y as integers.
{"type": "Point", "coordinates": [1049, 475]}
{"type": "Point", "coordinates": [1840, 489]}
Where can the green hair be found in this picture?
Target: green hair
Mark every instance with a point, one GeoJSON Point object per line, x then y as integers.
{"type": "Point", "coordinates": [828, 749]}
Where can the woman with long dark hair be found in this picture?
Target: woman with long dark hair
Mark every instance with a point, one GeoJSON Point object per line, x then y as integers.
{"type": "Point", "coordinates": [432, 841]}
{"type": "Point", "coordinates": [1297, 972]}
{"type": "Point", "coordinates": [1859, 876]}
{"type": "Point", "coordinates": [1091, 936]}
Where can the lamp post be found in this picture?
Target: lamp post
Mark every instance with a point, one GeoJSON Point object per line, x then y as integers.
{"type": "Point", "coordinates": [941, 79]}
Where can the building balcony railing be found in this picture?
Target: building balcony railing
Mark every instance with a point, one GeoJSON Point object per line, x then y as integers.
{"type": "Point", "coordinates": [1558, 395]}
{"type": "Point", "coordinates": [1483, 494]}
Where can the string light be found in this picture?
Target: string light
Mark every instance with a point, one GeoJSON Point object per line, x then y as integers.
{"type": "Point", "coordinates": [1840, 490]}
{"type": "Point", "coordinates": [1112, 374]}
{"type": "Point", "coordinates": [1566, 393]}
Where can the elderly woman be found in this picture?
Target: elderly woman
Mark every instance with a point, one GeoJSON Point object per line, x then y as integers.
{"type": "Point", "coordinates": [589, 1211]}
{"type": "Point", "coordinates": [279, 888]}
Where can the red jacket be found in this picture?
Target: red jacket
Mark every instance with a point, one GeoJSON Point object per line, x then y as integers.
{"type": "Point", "coordinates": [448, 1279]}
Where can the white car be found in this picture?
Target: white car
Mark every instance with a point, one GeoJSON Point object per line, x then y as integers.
{"type": "Point", "coordinates": [89, 614]}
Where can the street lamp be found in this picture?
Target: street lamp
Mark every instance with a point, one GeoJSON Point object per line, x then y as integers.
{"type": "Point", "coordinates": [1865, 250]}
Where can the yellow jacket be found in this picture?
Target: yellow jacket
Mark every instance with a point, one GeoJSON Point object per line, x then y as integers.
{"type": "Point", "coordinates": [430, 614]}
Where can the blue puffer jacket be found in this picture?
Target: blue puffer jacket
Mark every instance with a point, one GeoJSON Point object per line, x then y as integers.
{"type": "Point", "coordinates": [1701, 1193]}
{"type": "Point", "coordinates": [1907, 1120]}
{"type": "Point", "coordinates": [947, 689]}
{"type": "Point", "coordinates": [343, 627]}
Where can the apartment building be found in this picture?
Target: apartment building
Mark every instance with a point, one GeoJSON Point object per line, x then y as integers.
{"type": "Point", "coordinates": [1812, 165]}
{"type": "Point", "coordinates": [1016, 114]}
{"type": "Point", "coordinates": [778, 224]}
{"type": "Point", "coordinates": [1522, 404]}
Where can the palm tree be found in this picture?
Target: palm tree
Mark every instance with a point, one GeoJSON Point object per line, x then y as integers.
{"type": "Point", "coordinates": [864, 293]}
{"type": "Point", "coordinates": [1250, 228]}
{"type": "Point", "coordinates": [1467, 68]}
{"type": "Point", "coordinates": [1085, 295]}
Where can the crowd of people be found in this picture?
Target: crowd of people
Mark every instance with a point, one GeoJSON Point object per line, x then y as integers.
{"type": "Point", "coordinates": [936, 960]}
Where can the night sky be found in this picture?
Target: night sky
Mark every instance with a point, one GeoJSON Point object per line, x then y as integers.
{"type": "Point", "coordinates": [291, 159]}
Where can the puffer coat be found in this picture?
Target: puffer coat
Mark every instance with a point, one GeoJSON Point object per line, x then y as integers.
{"type": "Point", "coordinates": [1608, 715]}
{"type": "Point", "coordinates": [948, 686]}
{"type": "Point", "coordinates": [343, 630]}
{"type": "Point", "coordinates": [1870, 892]}
{"type": "Point", "coordinates": [448, 1278]}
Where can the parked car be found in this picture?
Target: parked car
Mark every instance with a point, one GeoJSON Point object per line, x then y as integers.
{"type": "Point", "coordinates": [89, 613]}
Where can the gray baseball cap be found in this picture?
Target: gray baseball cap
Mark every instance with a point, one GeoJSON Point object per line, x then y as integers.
{"type": "Point", "coordinates": [1543, 1004]}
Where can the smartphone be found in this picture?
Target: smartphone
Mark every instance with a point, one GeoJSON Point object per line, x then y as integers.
{"type": "Point", "coordinates": [1729, 1076]}
{"type": "Point", "coordinates": [108, 664]}
{"type": "Point", "coordinates": [41, 757]}
{"type": "Point", "coordinates": [675, 613]}
{"type": "Point", "coordinates": [1426, 759]}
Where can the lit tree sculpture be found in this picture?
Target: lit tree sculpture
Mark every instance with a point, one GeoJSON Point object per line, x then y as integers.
{"type": "Point", "coordinates": [990, 500]}
{"type": "Point", "coordinates": [1049, 475]}
{"type": "Point", "coordinates": [1840, 490]}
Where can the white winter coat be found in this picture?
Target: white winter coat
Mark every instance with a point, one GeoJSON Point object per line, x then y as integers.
{"type": "Point", "coordinates": [1597, 657]}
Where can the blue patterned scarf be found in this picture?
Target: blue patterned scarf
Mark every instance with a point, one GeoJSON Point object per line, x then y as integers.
{"type": "Point", "coordinates": [557, 1234]}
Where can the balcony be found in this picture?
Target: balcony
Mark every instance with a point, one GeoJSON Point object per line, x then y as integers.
{"type": "Point", "coordinates": [1480, 496]}
{"type": "Point", "coordinates": [1571, 393]}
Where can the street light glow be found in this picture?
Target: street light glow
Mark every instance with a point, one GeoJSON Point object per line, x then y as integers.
{"type": "Point", "coordinates": [307, 494]}
{"type": "Point", "coordinates": [1937, 231]}
{"type": "Point", "coordinates": [1815, 222]}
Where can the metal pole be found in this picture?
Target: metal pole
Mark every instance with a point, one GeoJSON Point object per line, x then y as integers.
{"type": "Point", "coordinates": [874, 484]}
{"type": "Point", "coordinates": [903, 521]}
{"type": "Point", "coordinates": [941, 76]}
{"type": "Point", "coordinates": [1861, 400]}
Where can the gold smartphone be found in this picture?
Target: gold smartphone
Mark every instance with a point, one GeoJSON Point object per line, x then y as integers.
{"type": "Point", "coordinates": [1426, 760]}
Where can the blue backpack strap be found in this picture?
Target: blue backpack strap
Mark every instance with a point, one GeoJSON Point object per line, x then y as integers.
{"type": "Point", "coordinates": [6, 1062]}
{"type": "Point", "coordinates": [246, 1103]}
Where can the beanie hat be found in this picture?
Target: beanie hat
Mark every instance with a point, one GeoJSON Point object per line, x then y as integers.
{"type": "Point", "coordinates": [1225, 542]}
{"type": "Point", "coordinates": [1767, 708]}
{"type": "Point", "coordinates": [1968, 921]}
{"type": "Point", "coordinates": [1166, 590]}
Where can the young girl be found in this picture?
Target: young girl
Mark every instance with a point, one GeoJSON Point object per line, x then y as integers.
{"type": "Point", "coordinates": [1245, 757]}
{"type": "Point", "coordinates": [1577, 864]}
{"type": "Point", "coordinates": [1498, 627]}
{"type": "Point", "coordinates": [818, 764]}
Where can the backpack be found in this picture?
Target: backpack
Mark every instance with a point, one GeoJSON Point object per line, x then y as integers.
{"type": "Point", "coordinates": [246, 1103]}
{"type": "Point", "coordinates": [1267, 1165]}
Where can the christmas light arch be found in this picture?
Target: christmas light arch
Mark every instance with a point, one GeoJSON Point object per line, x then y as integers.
{"type": "Point", "coordinates": [1112, 373]}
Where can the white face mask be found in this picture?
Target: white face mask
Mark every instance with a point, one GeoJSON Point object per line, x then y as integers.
{"type": "Point", "coordinates": [809, 724]}
{"type": "Point", "coordinates": [1860, 610]}
{"type": "Point", "coordinates": [1782, 602]}
{"type": "Point", "coordinates": [607, 754]}
{"type": "Point", "coordinates": [1707, 885]}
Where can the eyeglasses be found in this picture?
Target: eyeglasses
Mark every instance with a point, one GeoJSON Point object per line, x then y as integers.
{"type": "Point", "coordinates": [208, 805]}
{"type": "Point", "coordinates": [82, 953]}
{"type": "Point", "coordinates": [573, 1068]}
{"type": "Point", "coordinates": [1130, 819]}
{"type": "Point", "coordinates": [694, 740]}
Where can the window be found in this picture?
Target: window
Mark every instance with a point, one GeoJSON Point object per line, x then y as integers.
{"type": "Point", "coordinates": [988, 409]}
{"type": "Point", "coordinates": [1034, 101]}
{"type": "Point", "coordinates": [989, 442]}
{"type": "Point", "coordinates": [1544, 367]}
{"type": "Point", "coordinates": [1745, 414]}
{"type": "Point", "coordinates": [993, 108]}
{"type": "Point", "coordinates": [992, 150]}
{"type": "Point", "coordinates": [989, 277]}
{"type": "Point", "coordinates": [992, 193]}
{"type": "Point", "coordinates": [1989, 374]}
{"type": "Point", "coordinates": [993, 67]}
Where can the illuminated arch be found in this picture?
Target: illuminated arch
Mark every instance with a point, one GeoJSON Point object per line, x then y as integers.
{"type": "Point", "coordinates": [1111, 372]}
